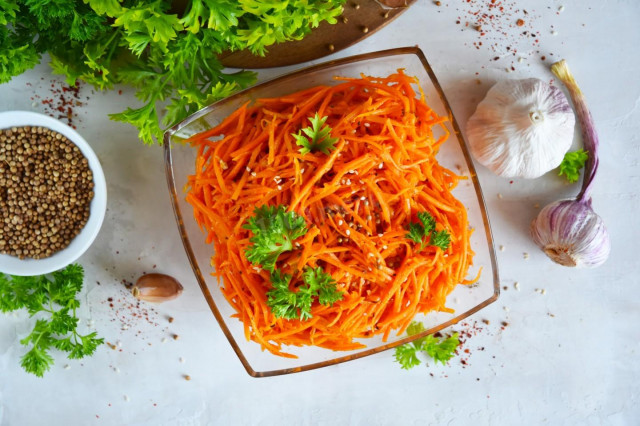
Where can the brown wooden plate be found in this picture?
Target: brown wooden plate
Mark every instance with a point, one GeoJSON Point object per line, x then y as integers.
{"type": "Point", "coordinates": [360, 19]}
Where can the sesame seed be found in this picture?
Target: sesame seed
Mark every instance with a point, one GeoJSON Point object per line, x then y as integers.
{"type": "Point", "coordinates": [363, 198]}
{"type": "Point", "coordinates": [380, 165]}
{"type": "Point", "coordinates": [561, 8]}
{"type": "Point", "coordinates": [379, 235]}
{"type": "Point", "coordinates": [516, 285]}
{"type": "Point", "coordinates": [501, 248]}
{"type": "Point", "coordinates": [126, 398]}
{"type": "Point", "coordinates": [67, 367]}
{"type": "Point", "coordinates": [340, 222]}
{"type": "Point", "coordinates": [369, 217]}
{"type": "Point", "coordinates": [500, 195]}
{"type": "Point", "coordinates": [384, 247]}
{"type": "Point", "coordinates": [254, 174]}
{"type": "Point", "coordinates": [279, 187]}
{"type": "Point", "coordinates": [348, 232]}
{"type": "Point", "coordinates": [543, 291]}
{"type": "Point", "coordinates": [367, 124]}
{"type": "Point", "coordinates": [348, 181]}
{"type": "Point", "coordinates": [370, 254]}
{"type": "Point", "coordinates": [248, 169]}
{"type": "Point", "coordinates": [301, 171]}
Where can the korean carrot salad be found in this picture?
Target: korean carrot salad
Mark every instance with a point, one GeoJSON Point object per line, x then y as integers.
{"type": "Point", "coordinates": [330, 216]}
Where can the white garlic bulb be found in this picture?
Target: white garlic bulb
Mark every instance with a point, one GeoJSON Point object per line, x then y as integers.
{"type": "Point", "coordinates": [522, 128]}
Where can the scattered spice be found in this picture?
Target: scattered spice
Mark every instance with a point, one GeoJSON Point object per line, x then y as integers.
{"type": "Point", "coordinates": [170, 319]}
{"type": "Point", "coordinates": [46, 188]}
{"type": "Point", "coordinates": [176, 337]}
{"type": "Point", "coordinates": [62, 102]}
{"type": "Point", "coordinates": [187, 377]}
{"type": "Point", "coordinates": [499, 27]}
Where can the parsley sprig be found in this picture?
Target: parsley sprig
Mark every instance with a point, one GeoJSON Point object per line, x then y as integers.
{"type": "Point", "coordinates": [572, 163]}
{"type": "Point", "coordinates": [274, 231]}
{"type": "Point", "coordinates": [55, 299]}
{"type": "Point", "coordinates": [289, 304]}
{"type": "Point", "coordinates": [315, 138]}
{"type": "Point", "coordinates": [425, 234]}
{"type": "Point", "coordinates": [440, 350]}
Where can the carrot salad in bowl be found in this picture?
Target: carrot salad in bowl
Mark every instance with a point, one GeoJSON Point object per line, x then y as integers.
{"type": "Point", "coordinates": [331, 218]}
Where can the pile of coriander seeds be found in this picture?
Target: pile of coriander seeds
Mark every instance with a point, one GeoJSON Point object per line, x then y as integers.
{"type": "Point", "coordinates": [46, 188]}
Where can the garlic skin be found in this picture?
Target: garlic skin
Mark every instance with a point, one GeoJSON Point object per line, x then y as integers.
{"type": "Point", "coordinates": [522, 128]}
{"type": "Point", "coordinates": [572, 234]}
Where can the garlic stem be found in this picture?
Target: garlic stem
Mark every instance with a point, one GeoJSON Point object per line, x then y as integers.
{"type": "Point", "coordinates": [589, 135]}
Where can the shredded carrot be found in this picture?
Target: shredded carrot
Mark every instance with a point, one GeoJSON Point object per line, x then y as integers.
{"type": "Point", "coordinates": [357, 203]}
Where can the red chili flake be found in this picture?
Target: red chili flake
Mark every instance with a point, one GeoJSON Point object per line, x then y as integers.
{"type": "Point", "coordinates": [520, 22]}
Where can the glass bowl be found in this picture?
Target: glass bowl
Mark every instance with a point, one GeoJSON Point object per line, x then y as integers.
{"type": "Point", "coordinates": [180, 160]}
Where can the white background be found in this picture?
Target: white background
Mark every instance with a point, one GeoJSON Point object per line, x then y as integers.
{"type": "Point", "coordinates": [568, 356]}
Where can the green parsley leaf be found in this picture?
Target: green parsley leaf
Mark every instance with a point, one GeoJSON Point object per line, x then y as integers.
{"type": "Point", "coordinates": [428, 222]}
{"type": "Point", "coordinates": [318, 137]}
{"type": "Point", "coordinates": [416, 233]}
{"type": "Point", "coordinates": [572, 163]}
{"type": "Point", "coordinates": [282, 301]}
{"type": "Point", "coordinates": [55, 296]}
{"type": "Point", "coordinates": [323, 285]}
{"type": "Point", "coordinates": [425, 231]}
{"type": "Point", "coordinates": [407, 356]}
{"type": "Point", "coordinates": [440, 239]}
{"type": "Point", "coordinates": [440, 350]}
{"type": "Point", "coordinates": [274, 231]}
{"type": "Point", "coordinates": [289, 304]}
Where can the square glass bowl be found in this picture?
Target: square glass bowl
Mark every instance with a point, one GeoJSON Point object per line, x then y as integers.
{"type": "Point", "coordinates": [180, 162]}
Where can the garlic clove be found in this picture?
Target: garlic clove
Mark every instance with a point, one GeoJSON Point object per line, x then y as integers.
{"type": "Point", "coordinates": [572, 234]}
{"type": "Point", "coordinates": [156, 288]}
{"type": "Point", "coordinates": [522, 128]}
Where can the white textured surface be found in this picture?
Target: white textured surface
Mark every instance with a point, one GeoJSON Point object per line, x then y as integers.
{"type": "Point", "coordinates": [569, 356]}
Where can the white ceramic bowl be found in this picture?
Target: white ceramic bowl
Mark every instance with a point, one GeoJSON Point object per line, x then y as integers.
{"type": "Point", "coordinates": [14, 266]}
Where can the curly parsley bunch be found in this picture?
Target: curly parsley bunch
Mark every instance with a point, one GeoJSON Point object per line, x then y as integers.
{"type": "Point", "coordinates": [171, 60]}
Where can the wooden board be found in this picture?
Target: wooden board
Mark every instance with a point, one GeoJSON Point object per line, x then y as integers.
{"type": "Point", "coordinates": [360, 19]}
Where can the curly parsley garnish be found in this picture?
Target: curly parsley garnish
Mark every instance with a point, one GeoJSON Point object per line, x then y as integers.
{"type": "Point", "coordinates": [572, 163]}
{"type": "Point", "coordinates": [440, 350]}
{"type": "Point", "coordinates": [424, 232]}
{"type": "Point", "coordinates": [56, 299]}
{"type": "Point", "coordinates": [289, 304]}
{"type": "Point", "coordinates": [315, 138]}
{"type": "Point", "coordinates": [274, 230]}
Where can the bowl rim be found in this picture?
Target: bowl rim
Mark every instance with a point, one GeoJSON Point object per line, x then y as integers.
{"type": "Point", "coordinates": [409, 50]}
{"type": "Point", "coordinates": [27, 267]}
